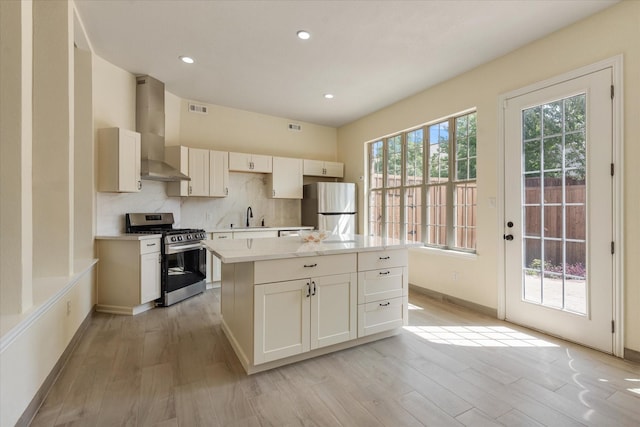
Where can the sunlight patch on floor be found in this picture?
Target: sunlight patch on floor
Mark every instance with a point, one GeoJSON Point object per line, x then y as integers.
{"type": "Point", "coordinates": [414, 307]}
{"type": "Point", "coordinates": [477, 336]}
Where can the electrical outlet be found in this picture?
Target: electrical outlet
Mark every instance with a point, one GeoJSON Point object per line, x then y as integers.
{"type": "Point", "coordinates": [68, 308]}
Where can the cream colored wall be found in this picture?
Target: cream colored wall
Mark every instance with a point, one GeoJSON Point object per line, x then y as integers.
{"type": "Point", "coordinates": [27, 362]}
{"type": "Point", "coordinates": [44, 149]}
{"type": "Point", "coordinates": [229, 129]}
{"type": "Point", "coordinates": [114, 95]}
{"type": "Point", "coordinates": [609, 33]}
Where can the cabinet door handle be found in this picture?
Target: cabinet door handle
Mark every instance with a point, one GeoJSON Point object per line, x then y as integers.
{"type": "Point", "coordinates": [384, 273]}
{"type": "Point", "coordinates": [159, 259]}
{"type": "Point", "coordinates": [274, 193]}
{"type": "Point", "coordinates": [226, 191]}
{"type": "Point", "coordinates": [314, 288]}
{"type": "Point", "coordinates": [190, 189]}
{"type": "Point", "coordinates": [386, 304]}
{"type": "Point", "coordinates": [310, 265]}
{"type": "Point", "coordinates": [139, 185]}
{"type": "Point", "coordinates": [384, 257]}
{"type": "Point", "coordinates": [308, 289]}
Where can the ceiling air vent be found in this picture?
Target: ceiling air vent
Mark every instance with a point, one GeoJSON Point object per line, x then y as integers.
{"type": "Point", "coordinates": [195, 108]}
{"type": "Point", "coordinates": [295, 127]}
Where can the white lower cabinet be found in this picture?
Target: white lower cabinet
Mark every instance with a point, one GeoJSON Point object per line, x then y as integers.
{"type": "Point", "coordinates": [297, 316]}
{"type": "Point", "coordinates": [128, 275]}
{"type": "Point", "coordinates": [383, 293]}
{"type": "Point", "coordinates": [149, 277]}
{"type": "Point", "coordinates": [279, 311]}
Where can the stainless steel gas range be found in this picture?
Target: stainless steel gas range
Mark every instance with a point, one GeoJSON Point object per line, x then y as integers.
{"type": "Point", "coordinates": [183, 272]}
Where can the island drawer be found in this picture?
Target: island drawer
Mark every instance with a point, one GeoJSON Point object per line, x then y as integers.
{"type": "Point", "coordinates": [221, 236]}
{"type": "Point", "coordinates": [148, 246]}
{"type": "Point", "coordinates": [378, 285]}
{"type": "Point", "coordinates": [382, 259]}
{"type": "Point", "coordinates": [380, 316]}
{"type": "Point", "coordinates": [279, 270]}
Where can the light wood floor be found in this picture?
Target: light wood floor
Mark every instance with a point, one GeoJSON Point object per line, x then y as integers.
{"type": "Point", "coordinates": [174, 367]}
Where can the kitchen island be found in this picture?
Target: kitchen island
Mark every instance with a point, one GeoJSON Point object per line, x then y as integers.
{"type": "Point", "coordinates": [283, 300]}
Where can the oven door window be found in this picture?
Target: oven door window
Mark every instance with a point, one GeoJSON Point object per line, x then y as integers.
{"type": "Point", "coordinates": [183, 269]}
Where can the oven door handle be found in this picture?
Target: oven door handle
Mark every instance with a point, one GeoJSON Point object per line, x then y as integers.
{"type": "Point", "coordinates": [174, 249]}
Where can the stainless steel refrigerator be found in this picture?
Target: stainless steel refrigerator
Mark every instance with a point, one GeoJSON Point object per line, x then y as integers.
{"type": "Point", "coordinates": [330, 206]}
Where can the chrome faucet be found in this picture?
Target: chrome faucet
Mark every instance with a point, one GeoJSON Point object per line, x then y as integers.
{"type": "Point", "coordinates": [249, 214]}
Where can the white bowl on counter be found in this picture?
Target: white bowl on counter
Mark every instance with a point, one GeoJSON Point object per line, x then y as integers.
{"type": "Point", "coordinates": [313, 236]}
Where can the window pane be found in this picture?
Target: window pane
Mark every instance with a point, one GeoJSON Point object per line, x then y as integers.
{"type": "Point", "coordinates": [437, 215]}
{"type": "Point", "coordinates": [466, 147]}
{"type": "Point", "coordinates": [413, 213]}
{"type": "Point", "coordinates": [375, 213]}
{"type": "Point", "coordinates": [392, 218]}
{"type": "Point", "coordinates": [414, 157]}
{"type": "Point", "coordinates": [439, 152]}
{"type": "Point", "coordinates": [394, 161]}
{"type": "Point", "coordinates": [465, 205]}
{"type": "Point", "coordinates": [375, 164]}
{"type": "Point", "coordinates": [552, 118]}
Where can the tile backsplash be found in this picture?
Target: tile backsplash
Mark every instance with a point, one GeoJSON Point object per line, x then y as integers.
{"type": "Point", "coordinates": [245, 189]}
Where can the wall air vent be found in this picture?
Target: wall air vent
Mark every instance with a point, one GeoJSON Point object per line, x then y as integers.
{"type": "Point", "coordinates": [295, 127]}
{"type": "Point", "coordinates": [195, 108]}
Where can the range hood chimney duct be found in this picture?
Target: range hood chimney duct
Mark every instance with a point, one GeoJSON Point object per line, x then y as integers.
{"type": "Point", "coordinates": [150, 125]}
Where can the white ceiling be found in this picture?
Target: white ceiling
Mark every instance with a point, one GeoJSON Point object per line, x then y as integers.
{"type": "Point", "coordinates": [369, 54]}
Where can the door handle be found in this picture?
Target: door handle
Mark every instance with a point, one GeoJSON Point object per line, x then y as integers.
{"type": "Point", "coordinates": [314, 288]}
{"type": "Point", "coordinates": [308, 289]}
{"type": "Point", "coordinates": [508, 237]}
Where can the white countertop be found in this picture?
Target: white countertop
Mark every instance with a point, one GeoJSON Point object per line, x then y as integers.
{"type": "Point", "coordinates": [234, 229]}
{"type": "Point", "coordinates": [129, 236]}
{"type": "Point", "coordinates": [246, 250]}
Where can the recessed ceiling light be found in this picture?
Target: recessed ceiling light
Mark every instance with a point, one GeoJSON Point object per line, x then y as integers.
{"type": "Point", "coordinates": [304, 35]}
{"type": "Point", "coordinates": [187, 59]}
{"type": "Point", "coordinates": [328, 96]}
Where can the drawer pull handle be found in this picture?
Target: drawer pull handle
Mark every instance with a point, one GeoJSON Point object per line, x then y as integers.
{"type": "Point", "coordinates": [384, 273]}
{"type": "Point", "coordinates": [385, 304]}
{"type": "Point", "coordinates": [150, 244]}
{"type": "Point", "coordinates": [384, 257]}
{"type": "Point", "coordinates": [222, 237]}
{"type": "Point", "coordinates": [310, 265]}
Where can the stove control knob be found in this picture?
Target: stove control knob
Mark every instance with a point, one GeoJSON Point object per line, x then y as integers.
{"type": "Point", "coordinates": [173, 239]}
{"type": "Point", "coordinates": [202, 235]}
{"type": "Point", "coordinates": [188, 236]}
{"type": "Point", "coordinates": [179, 238]}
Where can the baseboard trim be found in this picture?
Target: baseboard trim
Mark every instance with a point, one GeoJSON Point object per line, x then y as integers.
{"type": "Point", "coordinates": [43, 391]}
{"type": "Point", "coordinates": [487, 311]}
{"type": "Point", "coordinates": [631, 355]}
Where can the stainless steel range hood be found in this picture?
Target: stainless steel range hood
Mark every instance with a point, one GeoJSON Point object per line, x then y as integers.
{"type": "Point", "coordinates": [150, 125]}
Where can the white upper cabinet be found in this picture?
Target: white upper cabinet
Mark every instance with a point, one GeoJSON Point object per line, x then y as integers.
{"type": "Point", "coordinates": [218, 174]}
{"type": "Point", "coordinates": [286, 180]}
{"type": "Point", "coordinates": [244, 162]}
{"type": "Point", "coordinates": [322, 168]}
{"type": "Point", "coordinates": [199, 172]}
{"type": "Point", "coordinates": [118, 160]}
{"type": "Point", "coordinates": [207, 169]}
